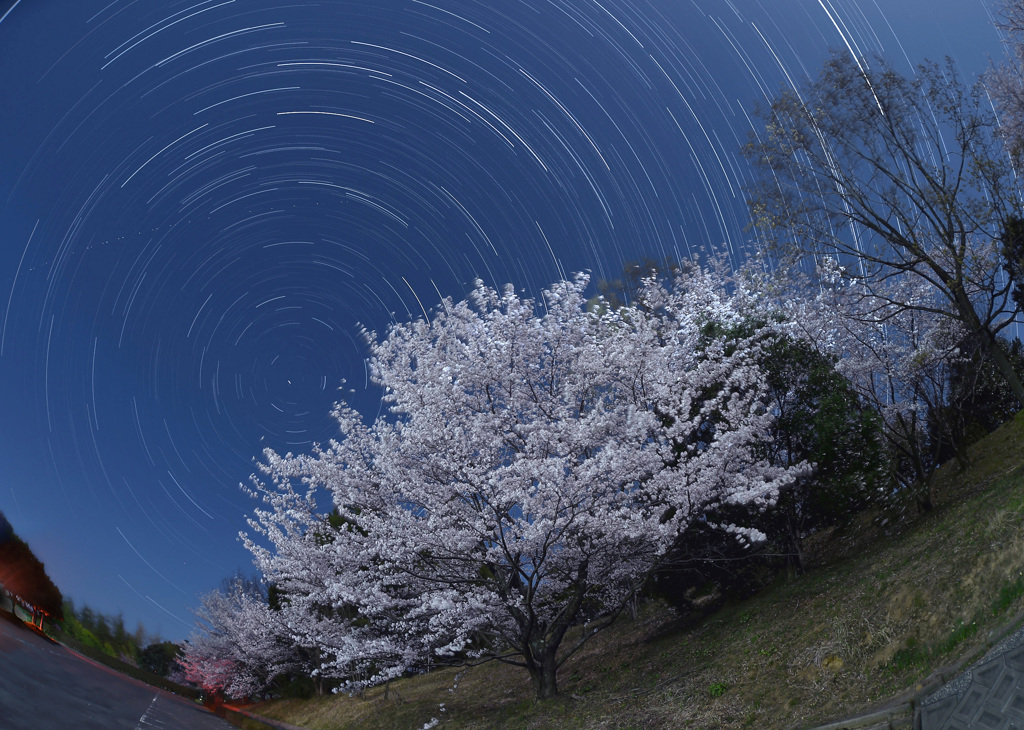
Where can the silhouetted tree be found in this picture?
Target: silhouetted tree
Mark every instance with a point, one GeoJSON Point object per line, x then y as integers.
{"type": "Point", "coordinates": [159, 658]}
{"type": "Point", "coordinates": [626, 289]}
{"type": "Point", "coordinates": [25, 575]}
{"type": "Point", "coordinates": [6, 531]}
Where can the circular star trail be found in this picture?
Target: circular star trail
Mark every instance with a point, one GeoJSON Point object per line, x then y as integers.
{"type": "Point", "coordinates": [202, 204]}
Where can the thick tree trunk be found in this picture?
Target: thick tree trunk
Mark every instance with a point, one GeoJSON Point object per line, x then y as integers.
{"type": "Point", "coordinates": [923, 499]}
{"type": "Point", "coordinates": [540, 644]}
{"type": "Point", "coordinates": [543, 674]}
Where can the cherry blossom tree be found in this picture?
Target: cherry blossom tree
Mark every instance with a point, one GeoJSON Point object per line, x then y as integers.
{"type": "Point", "coordinates": [317, 593]}
{"type": "Point", "coordinates": [238, 647]}
{"type": "Point", "coordinates": [534, 463]}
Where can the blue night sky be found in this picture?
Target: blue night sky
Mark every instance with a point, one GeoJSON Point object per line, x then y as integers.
{"type": "Point", "coordinates": [200, 202]}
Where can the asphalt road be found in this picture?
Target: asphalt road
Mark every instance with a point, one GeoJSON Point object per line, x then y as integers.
{"type": "Point", "coordinates": [44, 686]}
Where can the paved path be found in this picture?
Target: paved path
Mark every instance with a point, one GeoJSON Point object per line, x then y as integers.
{"type": "Point", "coordinates": [43, 685]}
{"type": "Point", "coordinates": [988, 695]}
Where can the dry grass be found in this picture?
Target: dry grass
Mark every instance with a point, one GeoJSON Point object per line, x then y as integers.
{"type": "Point", "coordinates": [878, 615]}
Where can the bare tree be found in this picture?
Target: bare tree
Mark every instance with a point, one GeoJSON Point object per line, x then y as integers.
{"type": "Point", "coordinates": [894, 177]}
{"type": "Point", "coordinates": [1006, 80]}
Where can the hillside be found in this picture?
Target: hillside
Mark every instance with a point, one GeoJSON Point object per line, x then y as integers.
{"type": "Point", "coordinates": [878, 613]}
{"type": "Point", "coordinates": [22, 574]}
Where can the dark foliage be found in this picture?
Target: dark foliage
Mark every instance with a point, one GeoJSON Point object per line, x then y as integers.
{"type": "Point", "coordinates": [159, 658]}
{"type": "Point", "coordinates": [708, 565]}
{"type": "Point", "coordinates": [822, 421]}
{"type": "Point", "coordinates": [1013, 257]}
{"type": "Point", "coordinates": [6, 531]}
{"type": "Point", "coordinates": [23, 574]}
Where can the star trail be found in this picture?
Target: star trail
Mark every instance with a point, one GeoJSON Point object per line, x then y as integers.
{"type": "Point", "coordinates": [201, 204]}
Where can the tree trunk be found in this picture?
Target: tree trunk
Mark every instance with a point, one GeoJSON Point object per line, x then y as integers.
{"type": "Point", "coordinates": [1005, 367]}
{"type": "Point", "coordinates": [924, 500]}
{"type": "Point", "coordinates": [990, 342]}
{"type": "Point", "coordinates": [921, 486]}
{"type": "Point", "coordinates": [540, 645]}
{"type": "Point", "coordinates": [796, 557]}
{"type": "Point", "coordinates": [545, 684]}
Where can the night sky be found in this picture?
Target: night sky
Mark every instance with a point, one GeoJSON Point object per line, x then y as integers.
{"type": "Point", "coordinates": [200, 203]}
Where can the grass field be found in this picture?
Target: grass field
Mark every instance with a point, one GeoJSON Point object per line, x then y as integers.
{"type": "Point", "coordinates": [877, 614]}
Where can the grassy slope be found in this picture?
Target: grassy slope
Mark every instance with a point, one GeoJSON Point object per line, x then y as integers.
{"type": "Point", "coordinates": [879, 615]}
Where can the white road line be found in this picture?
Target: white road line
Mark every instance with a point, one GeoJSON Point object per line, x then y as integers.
{"type": "Point", "coordinates": [142, 720]}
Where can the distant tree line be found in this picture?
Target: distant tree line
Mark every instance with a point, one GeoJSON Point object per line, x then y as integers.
{"type": "Point", "coordinates": [109, 635]}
